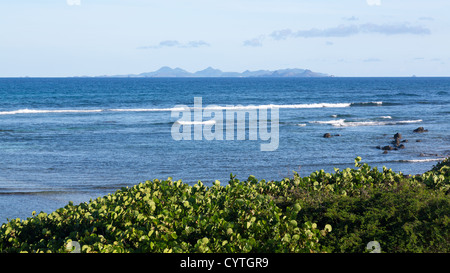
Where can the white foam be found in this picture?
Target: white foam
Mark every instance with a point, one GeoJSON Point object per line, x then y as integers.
{"type": "Point", "coordinates": [342, 123]}
{"type": "Point", "coordinates": [386, 117]}
{"type": "Point", "coordinates": [317, 105]}
{"type": "Point", "coordinates": [422, 160]}
{"type": "Point", "coordinates": [35, 111]}
{"type": "Point", "coordinates": [377, 123]}
{"type": "Point", "coordinates": [332, 122]}
{"type": "Point", "coordinates": [371, 102]}
{"type": "Point", "coordinates": [31, 111]}
{"type": "Point", "coordinates": [148, 109]}
{"type": "Point", "coordinates": [301, 124]}
{"type": "Point", "coordinates": [235, 107]}
{"type": "Point", "coordinates": [410, 121]}
{"type": "Point", "coordinates": [282, 106]}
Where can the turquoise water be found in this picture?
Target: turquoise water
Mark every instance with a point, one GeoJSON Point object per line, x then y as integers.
{"type": "Point", "coordinates": [72, 139]}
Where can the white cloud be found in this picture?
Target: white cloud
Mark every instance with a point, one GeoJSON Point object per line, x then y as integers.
{"type": "Point", "coordinates": [169, 43]}
{"type": "Point", "coordinates": [175, 43]}
{"type": "Point", "coordinates": [255, 42]}
{"type": "Point", "coordinates": [350, 30]}
{"type": "Point", "coordinates": [195, 44]}
{"type": "Point", "coordinates": [281, 34]}
{"type": "Point", "coordinates": [373, 2]}
{"type": "Point", "coordinates": [73, 2]}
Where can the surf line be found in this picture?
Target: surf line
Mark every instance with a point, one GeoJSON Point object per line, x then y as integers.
{"type": "Point", "coordinates": [213, 128]}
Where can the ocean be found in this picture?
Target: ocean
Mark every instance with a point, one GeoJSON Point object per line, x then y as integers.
{"type": "Point", "coordinates": [76, 139]}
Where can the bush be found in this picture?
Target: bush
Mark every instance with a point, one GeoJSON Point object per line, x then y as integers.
{"type": "Point", "coordinates": [352, 207]}
{"type": "Point", "coordinates": [402, 219]}
{"type": "Point", "coordinates": [168, 216]}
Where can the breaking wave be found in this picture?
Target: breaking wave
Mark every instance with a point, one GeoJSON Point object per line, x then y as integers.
{"type": "Point", "coordinates": [343, 123]}
{"type": "Point", "coordinates": [421, 160]}
{"type": "Point", "coordinates": [180, 108]}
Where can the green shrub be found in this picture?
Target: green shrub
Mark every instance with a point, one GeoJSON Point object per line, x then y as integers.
{"type": "Point", "coordinates": [352, 207]}
{"type": "Point", "coordinates": [401, 219]}
{"type": "Point", "coordinates": [168, 216]}
{"type": "Point", "coordinates": [438, 177]}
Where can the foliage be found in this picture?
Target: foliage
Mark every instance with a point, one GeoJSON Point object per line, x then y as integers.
{"type": "Point", "coordinates": [352, 207]}
{"type": "Point", "coordinates": [403, 218]}
{"type": "Point", "coordinates": [402, 213]}
{"type": "Point", "coordinates": [168, 216]}
{"type": "Point", "coordinates": [438, 177]}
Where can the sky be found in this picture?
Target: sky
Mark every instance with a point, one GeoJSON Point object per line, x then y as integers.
{"type": "Point", "coordinates": [345, 38]}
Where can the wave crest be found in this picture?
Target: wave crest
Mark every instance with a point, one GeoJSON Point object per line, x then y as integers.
{"type": "Point", "coordinates": [343, 123]}
{"type": "Point", "coordinates": [236, 107]}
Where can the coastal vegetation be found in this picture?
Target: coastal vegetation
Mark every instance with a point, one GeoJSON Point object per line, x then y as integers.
{"type": "Point", "coordinates": [324, 212]}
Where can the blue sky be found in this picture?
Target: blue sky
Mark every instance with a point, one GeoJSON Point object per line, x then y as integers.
{"type": "Point", "coordinates": [60, 38]}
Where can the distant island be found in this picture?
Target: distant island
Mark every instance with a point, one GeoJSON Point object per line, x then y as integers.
{"type": "Point", "coordinates": [165, 71]}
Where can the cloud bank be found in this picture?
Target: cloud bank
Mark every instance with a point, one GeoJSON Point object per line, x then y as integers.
{"type": "Point", "coordinates": [350, 30]}
{"type": "Point", "coordinates": [176, 44]}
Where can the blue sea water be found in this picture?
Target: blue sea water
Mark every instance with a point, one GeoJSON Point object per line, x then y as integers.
{"type": "Point", "coordinates": [76, 139]}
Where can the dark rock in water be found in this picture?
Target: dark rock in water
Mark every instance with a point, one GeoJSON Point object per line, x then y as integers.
{"type": "Point", "coordinates": [387, 148]}
{"type": "Point", "coordinates": [401, 146]}
{"type": "Point", "coordinates": [404, 141]}
{"type": "Point", "coordinates": [327, 135]}
{"type": "Point", "coordinates": [378, 147]}
{"type": "Point", "coordinates": [396, 142]}
{"type": "Point", "coordinates": [420, 130]}
{"type": "Point", "coordinates": [397, 135]}
{"type": "Point", "coordinates": [337, 135]}
{"type": "Point", "coordinates": [418, 140]}
{"type": "Point", "coordinates": [385, 152]}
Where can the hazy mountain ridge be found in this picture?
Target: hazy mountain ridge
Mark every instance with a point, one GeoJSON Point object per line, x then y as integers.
{"type": "Point", "coordinates": [166, 71]}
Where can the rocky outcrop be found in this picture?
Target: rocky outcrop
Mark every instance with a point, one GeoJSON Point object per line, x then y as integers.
{"type": "Point", "coordinates": [396, 142]}
{"type": "Point", "coordinates": [328, 135]}
{"type": "Point", "coordinates": [420, 130]}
